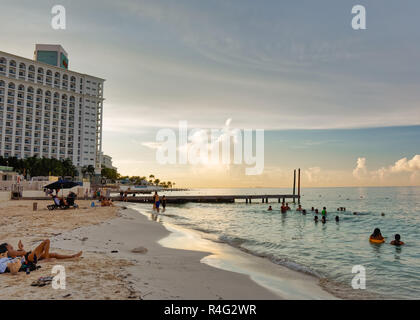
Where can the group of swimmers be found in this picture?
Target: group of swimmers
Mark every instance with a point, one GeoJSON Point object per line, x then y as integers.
{"type": "Point", "coordinates": [285, 207]}
{"type": "Point", "coordinates": [13, 261]}
{"type": "Point", "coordinates": [376, 237]}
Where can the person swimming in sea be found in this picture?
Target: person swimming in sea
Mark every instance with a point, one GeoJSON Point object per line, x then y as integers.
{"type": "Point", "coordinates": [304, 211]}
{"type": "Point", "coordinates": [316, 219]}
{"type": "Point", "coordinates": [376, 235]}
{"type": "Point", "coordinates": [312, 209]}
{"type": "Point", "coordinates": [270, 208]}
{"type": "Point", "coordinates": [316, 211]}
{"type": "Point", "coordinates": [397, 241]}
{"type": "Point", "coordinates": [299, 208]}
{"type": "Point", "coordinates": [283, 208]}
{"type": "Point", "coordinates": [323, 219]}
{"type": "Point", "coordinates": [337, 219]}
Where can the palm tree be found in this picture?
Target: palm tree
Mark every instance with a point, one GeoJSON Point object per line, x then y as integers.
{"type": "Point", "coordinates": [156, 182]}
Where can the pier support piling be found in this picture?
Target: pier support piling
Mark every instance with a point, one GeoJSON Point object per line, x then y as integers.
{"type": "Point", "coordinates": [294, 185]}
{"type": "Point", "coordinates": [299, 186]}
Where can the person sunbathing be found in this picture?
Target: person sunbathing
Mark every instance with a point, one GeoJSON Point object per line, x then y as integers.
{"type": "Point", "coordinates": [10, 265]}
{"type": "Point", "coordinates": [106, 203]}
{"type": "Point", "coordinates": [41, 252]}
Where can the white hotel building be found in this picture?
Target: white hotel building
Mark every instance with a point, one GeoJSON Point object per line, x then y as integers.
{"type": "Point", "coordinates": [47, 110]}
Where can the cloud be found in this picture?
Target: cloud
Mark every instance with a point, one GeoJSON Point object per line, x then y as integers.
{"type": "Point", "coordinates": [312, 174]}
{"type": "Point", "coordinates": [360, 171]}
{"type": "Point", "coordinates": [405, 165]}
{"type": "Point", "coordinates": [391, 172]}
{"type": "Point", "coordinates": [152, 145]}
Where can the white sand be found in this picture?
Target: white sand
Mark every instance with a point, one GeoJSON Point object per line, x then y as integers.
{"type": "Point", "coordinates": [152, 271]}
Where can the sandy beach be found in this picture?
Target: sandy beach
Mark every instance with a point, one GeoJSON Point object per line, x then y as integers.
{"type": "Point", "coordinates": [123, 258]}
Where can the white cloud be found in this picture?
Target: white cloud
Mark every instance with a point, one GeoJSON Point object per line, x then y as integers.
{"type": "Point", "coordinates": [405, 165]}
{"type": "Point", "coordinates": [360, 171]}
{"type": "Point", "coordinates": [394, 171]}
{"type": "Point", "coordinates": [152, 145]}
{"type": "Point", "coordinates": [312, 174]}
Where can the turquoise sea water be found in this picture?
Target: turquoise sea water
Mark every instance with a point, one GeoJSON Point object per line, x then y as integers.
{"type": "Point", "coordinates": [329, 250]}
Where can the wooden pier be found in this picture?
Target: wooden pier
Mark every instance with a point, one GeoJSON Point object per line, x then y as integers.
{"type": "Point", "coordinates": [264, 198]}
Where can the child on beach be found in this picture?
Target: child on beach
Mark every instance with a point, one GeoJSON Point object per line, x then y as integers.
{"type": "Point", "coordinates": [324, 211]}
{"type": "Point", "coordinates": [397, 241]}
{"type": "Point", "coordinates": [270, 208]}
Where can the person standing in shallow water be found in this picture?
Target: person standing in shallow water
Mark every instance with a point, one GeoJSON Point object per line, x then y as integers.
{"type": "Point", "coordinates": [156, 202]}
{"type": "Point", "coordinates": [324, 211]}
{"type": "Point", "coordinates": [163, 203]}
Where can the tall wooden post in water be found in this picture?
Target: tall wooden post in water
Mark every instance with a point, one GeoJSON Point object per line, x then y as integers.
{"type": "Point", "coordinates": [299, 185]}
{"type": "Point", "coordinates": [294, 185]}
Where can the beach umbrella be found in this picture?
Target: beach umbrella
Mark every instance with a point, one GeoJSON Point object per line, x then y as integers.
{"type": "Point", "coordinates": [61, 184]}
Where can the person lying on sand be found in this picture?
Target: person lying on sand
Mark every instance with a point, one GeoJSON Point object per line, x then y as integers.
{"type": "Point", "coordinates": [41, 252]}
{"type": "Point", "coordinates": [106, 203]}
{"type": "Point", "coordinates": [10, 265]}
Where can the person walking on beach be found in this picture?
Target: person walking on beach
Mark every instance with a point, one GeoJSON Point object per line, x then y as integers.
{"type": "Point", "coordinates": [156, 202]}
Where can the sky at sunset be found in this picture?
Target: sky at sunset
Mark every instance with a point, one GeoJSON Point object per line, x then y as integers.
{"type": "Point", "coordinates": [343, 105]}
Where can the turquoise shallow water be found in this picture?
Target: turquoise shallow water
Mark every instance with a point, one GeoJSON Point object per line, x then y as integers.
{"type": "Point", "coordinates": [326, 250]}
